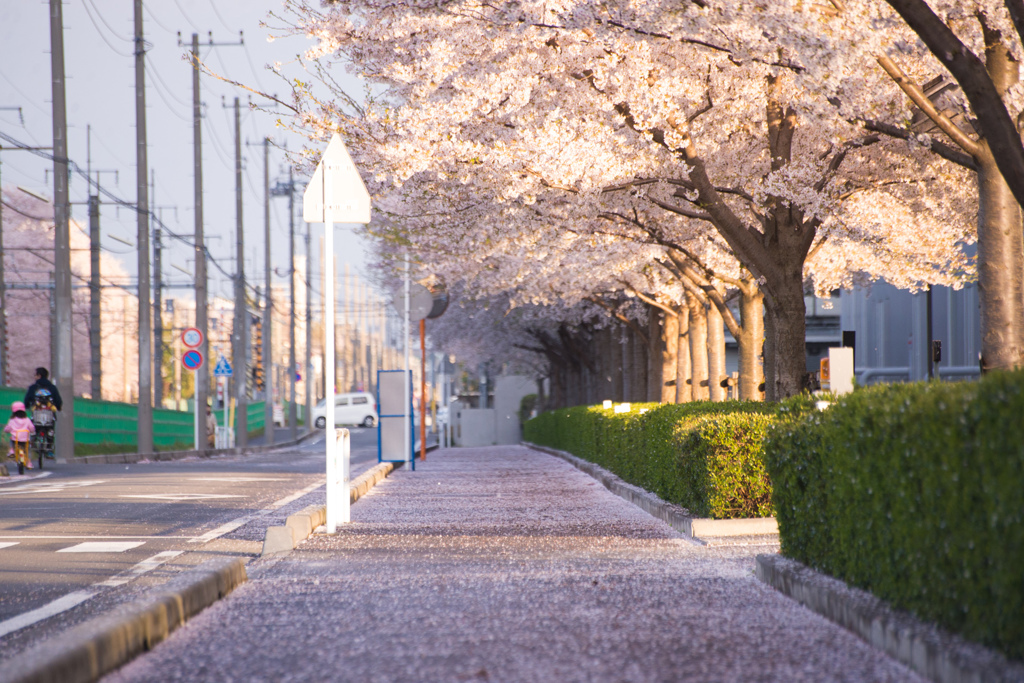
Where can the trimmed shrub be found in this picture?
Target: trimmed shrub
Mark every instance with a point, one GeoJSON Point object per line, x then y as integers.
{"type": "Point", "coordinates": [914, 492]}
{"type": "Point", "coordinates": [703, 456]}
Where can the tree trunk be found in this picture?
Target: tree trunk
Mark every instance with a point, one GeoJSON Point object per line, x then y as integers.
{"type": "Point", "coordinates": [669, 362]}
{"type": "Point", "coordinates": [785, 350]}
{"type": "Point", "coordinates": [1000, 265]}
{"type": "Point", "coordinates": [626, 349]}
{"type": "Point", "coordinates": [684, 392]}
{"type": "Point", "coordinates": [615, 362]}
{"type": "Point", "coordinates": [698, 334]}
{"type": "Point", "coordinates": [716, 355]}
{"type": "Point", "coordinates": [750, 342]}
{"type": "Point", "coordinates": [655, 355]}
{"type": "Point", "coordinates": [640, 373]}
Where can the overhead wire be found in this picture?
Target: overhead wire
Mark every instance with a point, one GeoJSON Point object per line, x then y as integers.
{"type": "Point", "coordinates": [118, 200]}
{"type": "Point", "coordinates": [99, 31]}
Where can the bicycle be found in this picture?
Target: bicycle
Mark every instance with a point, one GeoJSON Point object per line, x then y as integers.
{"type": "Point", "coordinates": [45, 420]}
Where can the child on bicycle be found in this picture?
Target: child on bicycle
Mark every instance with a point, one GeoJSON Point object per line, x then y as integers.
{"type": "Point", "coordinates": [21, 430]}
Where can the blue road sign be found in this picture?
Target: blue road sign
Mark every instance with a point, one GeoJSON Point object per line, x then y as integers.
{"type": "Point", "coordinates": [193, 360]}
{"type": "Point", "coordinates": [223, 368]}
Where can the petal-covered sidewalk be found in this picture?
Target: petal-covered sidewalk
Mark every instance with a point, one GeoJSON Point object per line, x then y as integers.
{"type": "Point", "coordinates": [505, 564]}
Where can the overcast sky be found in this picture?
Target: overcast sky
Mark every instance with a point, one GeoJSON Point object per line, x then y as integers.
{"type": "Point", "coordinates": [100, 93]}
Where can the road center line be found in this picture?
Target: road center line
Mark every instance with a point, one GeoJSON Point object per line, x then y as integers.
{"type": "Point", "coordinates": [242, 521]}
{"type": "Point", "coordinates": [138, 570]}
{"type": "Point", "coordinates": [7, 544]}
{"type": "Point", "coordinates": [59, 605]}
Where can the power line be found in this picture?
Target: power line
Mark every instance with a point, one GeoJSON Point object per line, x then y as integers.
{"type": "Point", "coordinates": [100, 31]}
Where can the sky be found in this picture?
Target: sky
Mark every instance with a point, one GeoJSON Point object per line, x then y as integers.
{"type": "Point", "coordinates": [100, 73]}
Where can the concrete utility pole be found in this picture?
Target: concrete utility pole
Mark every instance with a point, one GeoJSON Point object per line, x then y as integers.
{"type": "Point", "coordinates": [145, 422]}
{"type": "Point", "coordinates": [202, 375]}
{"type": "Point", "coordinates": [95, 327]}
{"type": "Point", "coordinates": [3, 295]}
{"type": "Point", "coordinates": [310, 383]}
{"type": "Point", "coordinates": [158, 303]}
{"type": "Point", "coordinates": [240, 336]}
{"type": "Point", "coordinates": [64, 362]}
{"type": "Point", "coordinates": [268, 309]}
{"type": "Point", "coordinates": [293, 417]}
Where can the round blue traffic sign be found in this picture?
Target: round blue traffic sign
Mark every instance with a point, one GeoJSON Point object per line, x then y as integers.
{"type": "Point", "coordinates": [193, 360]}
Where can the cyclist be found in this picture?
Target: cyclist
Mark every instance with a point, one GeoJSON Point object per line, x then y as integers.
{"type": "Point", "coordinates": [20, 428]}
{"type": "Point", "coordinates": [42, 384]}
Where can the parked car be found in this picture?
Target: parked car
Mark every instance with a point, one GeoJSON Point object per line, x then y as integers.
{"type": "Point", "coordinates": [358, 408]}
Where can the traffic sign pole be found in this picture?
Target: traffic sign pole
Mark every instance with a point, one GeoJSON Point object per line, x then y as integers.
{"type": "Point", "coordinates": [334, 193]}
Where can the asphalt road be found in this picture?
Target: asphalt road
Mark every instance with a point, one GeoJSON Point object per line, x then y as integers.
{"type": "Point", "coordinates": [82, 538]}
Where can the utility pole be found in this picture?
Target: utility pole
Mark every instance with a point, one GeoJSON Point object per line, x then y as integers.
{"type": "Point", "coordinates": [202, 375]}
{"type": "Point", "coordinates": [293, 417]}
{"type": "Point", "coordinates": [64, 362]}
{"type": "Point", "coordinates": [95, 345]}
{"type": "Point", "coordinates": [145, 421]}
{"type": "Point", "coordinates": [310, 383]}
{"type": "Point", "coordinates": [268, 309]}
{"type": "Point", "coordinates": [158, 293]}
{"type": "Point", "coordinates": [240, 337]}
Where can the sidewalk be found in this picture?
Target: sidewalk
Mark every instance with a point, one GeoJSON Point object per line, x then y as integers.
{"type": "Point", "coordinates": [505, 564]}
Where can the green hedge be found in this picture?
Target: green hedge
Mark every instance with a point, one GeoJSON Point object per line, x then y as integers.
{"type": "Point", "coordinates": [703, 456]}
{"type": "Point", "coordinates": [914, 492]}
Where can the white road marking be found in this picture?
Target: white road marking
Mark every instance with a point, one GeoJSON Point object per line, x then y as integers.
{"type": "Point", "coordinates": [183, 496]}
{"type": "Point", "coordinates": [50, 487]}
{"type": "Point", "coordinates": [138, 570]}
{"type": "Point", "coordinates": [239, 479]}
{"type": "Point", "coordinates": [102, 547]}
{"type": "Point", "coordinates": [59, 605]}
{"type": "Point", "coordinates": [75, 538]}
{"type": "Point", "coordinates": [22, 478]}
{"type": "Point", "coordinates": [8, 544]}
{"type": "Point", "coordinates": [242, 521]}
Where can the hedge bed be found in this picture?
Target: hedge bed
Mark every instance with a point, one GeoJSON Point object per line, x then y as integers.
{"type": "Point", "coordinates": [914, 492]}
{"type": "Point", "coordinates": [703, 456]}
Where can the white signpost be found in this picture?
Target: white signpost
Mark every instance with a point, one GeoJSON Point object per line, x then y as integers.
{"type": "Point", "coordinates": [335, 194]}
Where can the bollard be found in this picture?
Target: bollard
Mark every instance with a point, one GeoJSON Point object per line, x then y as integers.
{"type": "Point", "coordinates": [338, 502]}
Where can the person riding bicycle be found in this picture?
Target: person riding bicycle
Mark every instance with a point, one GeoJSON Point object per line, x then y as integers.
{"type": "Point", "coordinates": [20, 428]}
{"type": "Point", "coordinates": [44, 400]}
{"type": "Point", "coordinates": [43, 384]}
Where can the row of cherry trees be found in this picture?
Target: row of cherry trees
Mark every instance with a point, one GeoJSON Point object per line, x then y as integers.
{"type": "Point", "coordinates": [644, 173]}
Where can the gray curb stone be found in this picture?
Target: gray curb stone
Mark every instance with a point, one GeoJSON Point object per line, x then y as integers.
{"type": "Point", "coordinates": [924, 647]}
{"type": "Point", "coordinates": [677, 517]}
{"type": "Point", "coordinates": [100, 645]}
{"type": "Point", "coordinates": [299, 527]}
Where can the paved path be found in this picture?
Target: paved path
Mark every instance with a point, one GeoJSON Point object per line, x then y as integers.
{"type": "Point", "coordinates": [504, 564]}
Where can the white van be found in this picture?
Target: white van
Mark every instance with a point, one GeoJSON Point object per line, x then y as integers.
{"type": "Point", "coordinates": [358, 408]}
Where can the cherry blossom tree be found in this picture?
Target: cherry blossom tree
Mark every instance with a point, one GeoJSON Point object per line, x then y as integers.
{"type": "Point", "coordinates": [499, 105]}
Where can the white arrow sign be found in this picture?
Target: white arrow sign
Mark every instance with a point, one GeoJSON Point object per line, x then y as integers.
{"type": "Point", "coordinates": [336, 193]}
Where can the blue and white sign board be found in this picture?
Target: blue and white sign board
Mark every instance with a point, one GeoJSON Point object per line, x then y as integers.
{"type": "Point", "coordinates": [223, 368]}
{"type": "Point", "coordinates": [393, 444]}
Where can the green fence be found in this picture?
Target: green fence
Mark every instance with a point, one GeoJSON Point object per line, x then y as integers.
{"type": "Point", "coordinates": [110, 426]}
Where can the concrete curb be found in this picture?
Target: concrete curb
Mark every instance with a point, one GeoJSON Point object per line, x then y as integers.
{"type": "Point", "coordinates": [167, 456]}
{"type": "Point", "coordinates": [924, 647]}
{"type": "Point", "coordinates": [300, 526]}
{"type": "Point", "coordinates": [100, 645]}
{"type": "Point", "coordinates": [677, 517]}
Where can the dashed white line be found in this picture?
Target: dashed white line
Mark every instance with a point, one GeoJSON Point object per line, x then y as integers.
{"type": "Point", "coordinates": [242, 521]}
{"type": "Point", "coordinates": [138, 570]}
{"type": "Point", "coordinates": [102, 547]}
{"type": "Point", "coordinates": [7, 544]}
{"type": "Point", "coordinates": [59, 605]}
